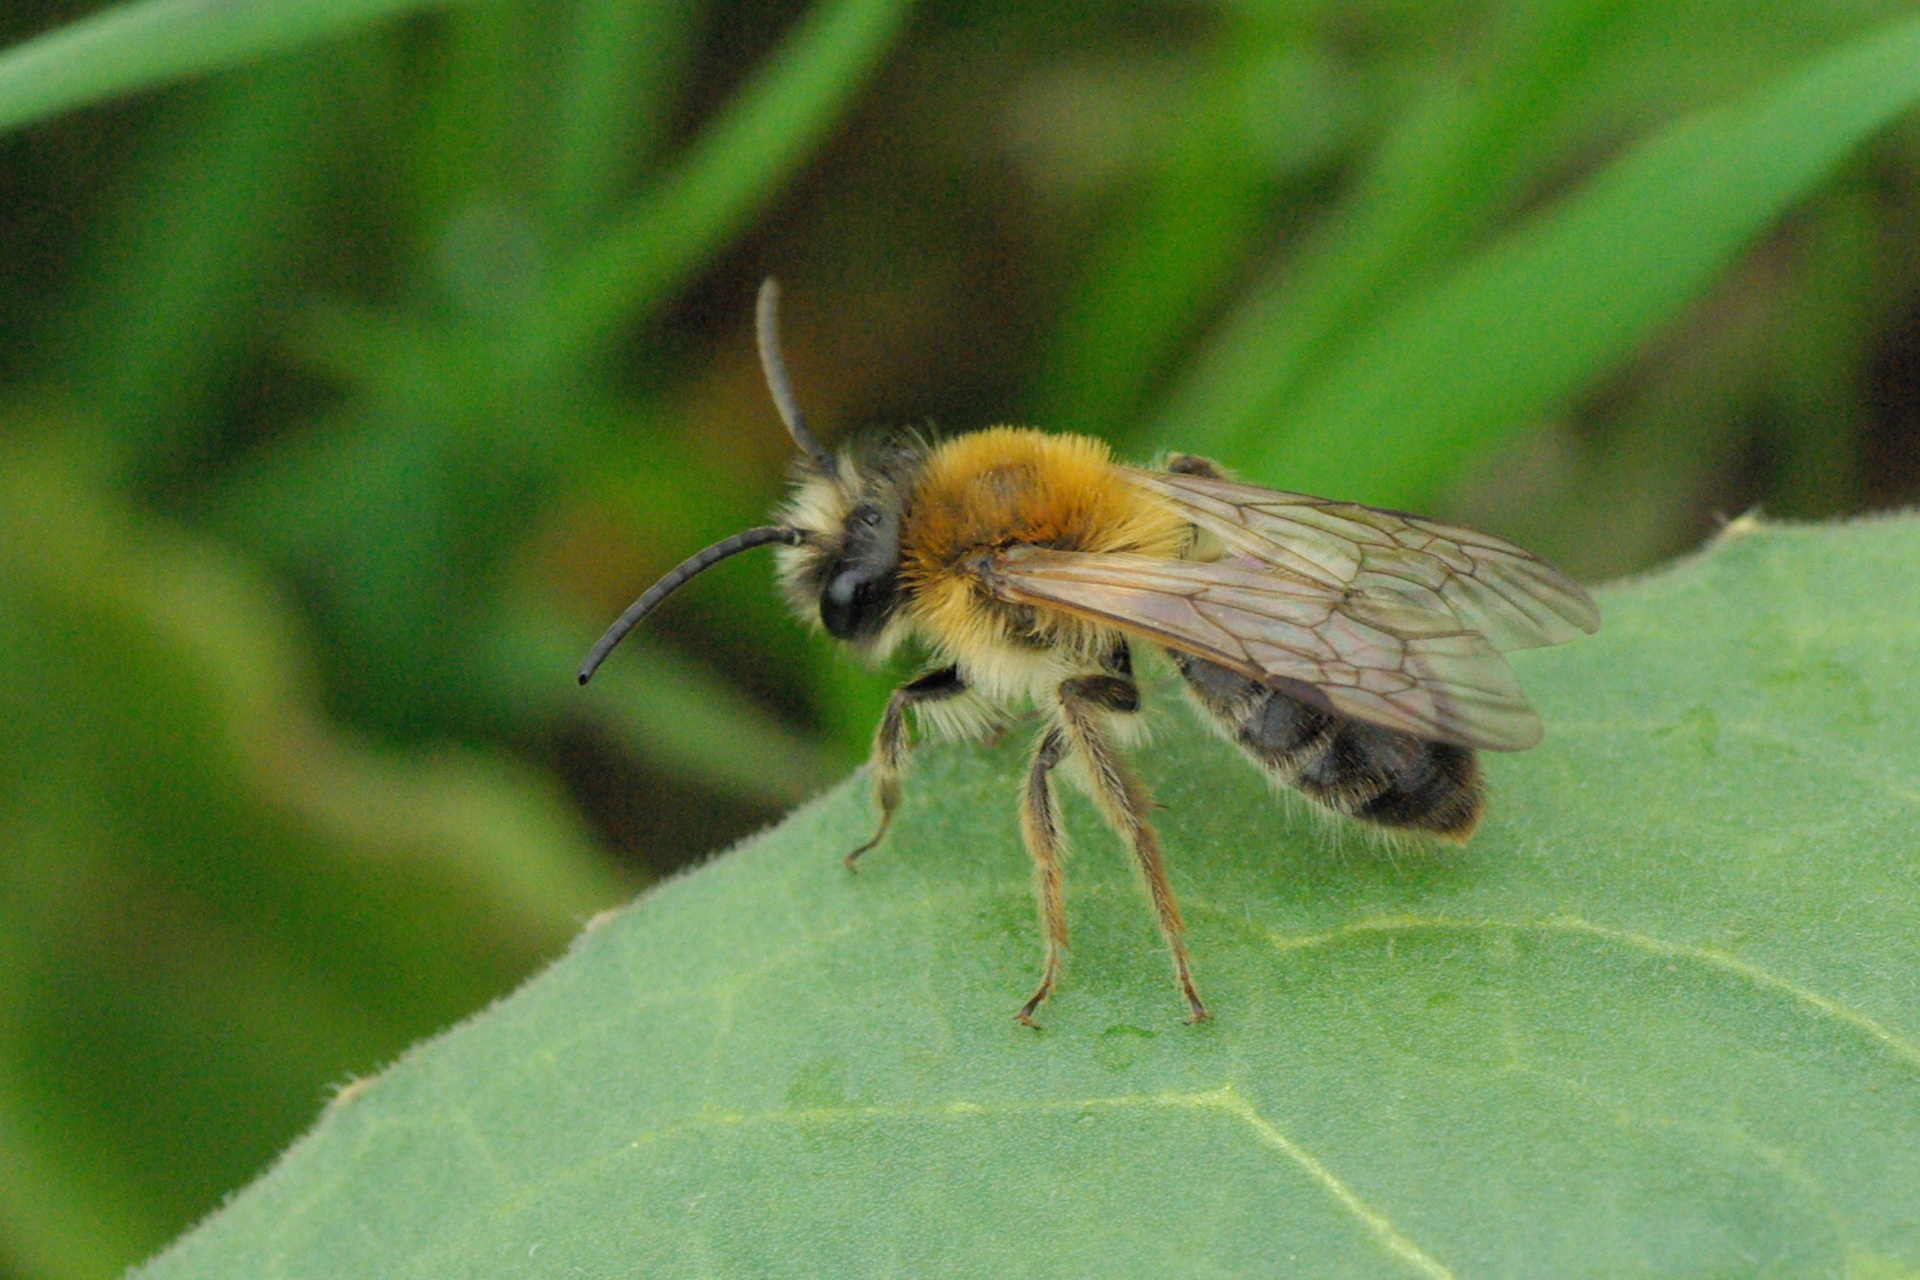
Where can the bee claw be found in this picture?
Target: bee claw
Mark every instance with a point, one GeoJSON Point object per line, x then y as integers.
{"type": "Point", "coordinates": [853, 858]}
{"type": "Point", "coordinates": [1026, 1012]}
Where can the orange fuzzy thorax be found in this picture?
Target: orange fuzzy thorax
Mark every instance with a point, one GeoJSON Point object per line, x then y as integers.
{"type": "Point", "coordinates": [1013, 486]}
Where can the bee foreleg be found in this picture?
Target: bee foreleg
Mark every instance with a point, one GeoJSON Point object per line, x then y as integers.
{"type": "Point", "coordinates": [891, 743]}
{"type": "Point", "coordinates": [1126, 805]}
{"type": "Point", "coordinates": [1040, 827]}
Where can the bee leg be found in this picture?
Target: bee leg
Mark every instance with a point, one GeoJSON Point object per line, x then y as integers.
{"type": "Point", "coordinates": [890, 743]}
{"type": "Point", "coordinates": [1040, 826]}
{"type": "Point", "coordinates": [1192, 464]}
{"type": "Point", "coordinates": [1126, 805]}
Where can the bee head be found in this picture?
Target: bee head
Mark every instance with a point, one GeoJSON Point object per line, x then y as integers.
{"type": "Point", "coordinates": [845, 570]}
{"type": "Point", "coordinates": [840, 535]}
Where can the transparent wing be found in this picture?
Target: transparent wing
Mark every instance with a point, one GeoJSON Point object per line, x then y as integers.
{"type": "Point", "coordinates": [1374, 658]}
{"type": "Point", "coordinates": [1488, 585]}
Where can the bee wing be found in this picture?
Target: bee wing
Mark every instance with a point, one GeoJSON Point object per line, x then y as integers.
{"type": "Point", "coordinates": [1489, 585]}
{"type": "Point", "coordinates": [1373, 658]}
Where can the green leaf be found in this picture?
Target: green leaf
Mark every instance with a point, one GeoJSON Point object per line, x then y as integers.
{"type": "Point", "coordinates": [129, 47]}
{"type": "Point", "coordinates": [1661, 1017]}
{"type": "Point", "coordinates": [1522, 326]}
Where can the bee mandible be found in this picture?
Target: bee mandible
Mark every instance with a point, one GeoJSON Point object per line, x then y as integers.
{"type": "Point", "coordinates": [1353, 653]}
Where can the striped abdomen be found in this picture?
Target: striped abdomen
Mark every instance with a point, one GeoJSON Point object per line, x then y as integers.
{"type": "Point", "coordinates": [1382, 776]}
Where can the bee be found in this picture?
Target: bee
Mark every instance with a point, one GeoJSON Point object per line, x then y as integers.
{"type": "Point", "coordinates": [1352, 653]}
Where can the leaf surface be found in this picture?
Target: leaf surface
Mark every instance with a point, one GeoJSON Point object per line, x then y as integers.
{"type": "Point", "coordinates": [1662, 1016]}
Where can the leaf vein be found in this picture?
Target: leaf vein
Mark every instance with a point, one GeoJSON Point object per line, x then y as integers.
{"type": "Point", "coordinates": [1712, 957]}
{"type": "Point", "coordinates": [1381, 1227]}
{"type": "Point", "coordinates": [1226, 1100]}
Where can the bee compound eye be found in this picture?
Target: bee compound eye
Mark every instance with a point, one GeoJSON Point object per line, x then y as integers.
{"type": "Point", "coordinates": [840, 604]}
{"type": "Point", "coordinates": [844, 591]}
{"type": "Point", "coordinates": [855, 603]}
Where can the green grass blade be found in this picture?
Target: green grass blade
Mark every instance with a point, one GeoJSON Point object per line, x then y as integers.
{"type": "Point", "coordinates": [729, 173]}
{"type": "Point", "coordinates": [1647, 1014]}
{"type": "Point", "coordinates": [473, 137]}
{"type": "Point", "coordinates": [154, 42]}
{"type": "Point", "coordinates": [1517, 329]}
{"type": "Point", "coordinates": [1456, 157]}
{"type": "Point", "coordinates": [221, 214]}
{"type": "Point", "coordinates": [1163, 261]}
{"type": "Point", "coordinates": [619, 77]}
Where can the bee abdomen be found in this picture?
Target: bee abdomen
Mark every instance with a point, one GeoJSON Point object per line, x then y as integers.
{"type": "Point", "coordinates": [1394, 779]}
{"type": "Point", "coordinates": [1383, 776]}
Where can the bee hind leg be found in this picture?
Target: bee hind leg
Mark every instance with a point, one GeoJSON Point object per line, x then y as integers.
{"type": "Point", "coordinates": [1040, 828]}
{"type": "Point", "coordinates": [891, 744]}
{"type": "Point", "coordinates": [1125, 804]}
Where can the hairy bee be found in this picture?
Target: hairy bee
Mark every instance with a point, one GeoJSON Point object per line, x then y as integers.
{"type": "Point", "coordinates": [1353, 653]}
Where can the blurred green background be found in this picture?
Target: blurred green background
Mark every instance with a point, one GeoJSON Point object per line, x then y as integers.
{"type": "Point", "coordinates": [347, 390]}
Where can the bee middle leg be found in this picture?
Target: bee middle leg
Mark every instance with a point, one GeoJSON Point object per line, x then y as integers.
{"type": "Point", "coordinates": [890, 743]}
{"type": "Point", "coordinates": [1126, 804]}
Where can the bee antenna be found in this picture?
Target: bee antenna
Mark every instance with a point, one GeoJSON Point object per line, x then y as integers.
{"type": "Point", "coordinates": [695, 564]}
{"type": "Point", "coordinates": [774, 365]}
